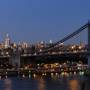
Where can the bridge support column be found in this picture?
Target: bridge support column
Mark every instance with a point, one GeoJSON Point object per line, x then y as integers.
{"type": "Point", "coordinates": [15, 59]}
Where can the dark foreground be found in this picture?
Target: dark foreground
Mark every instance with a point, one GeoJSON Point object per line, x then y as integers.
{"type": "Point", "coordinates": [47, 83]}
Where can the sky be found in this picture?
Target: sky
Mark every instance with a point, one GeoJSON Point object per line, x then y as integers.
{"type": "Point", "coordinates": [37, 20]}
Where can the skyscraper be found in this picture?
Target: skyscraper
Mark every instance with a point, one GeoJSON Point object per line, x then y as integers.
{"type": "Point", "coordinates": [7, 41]}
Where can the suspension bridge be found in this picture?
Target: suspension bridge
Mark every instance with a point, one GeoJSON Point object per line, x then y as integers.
{"type": "Point", "coordinates": [57, 52]}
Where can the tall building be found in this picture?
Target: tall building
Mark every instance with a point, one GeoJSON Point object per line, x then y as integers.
{"type": "Point", "coordinates": [50, 42]}
{"type": "Point", "coordinates": [7, 41]}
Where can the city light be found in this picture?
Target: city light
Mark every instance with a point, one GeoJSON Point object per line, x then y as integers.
{"type": "Point", "coordinates": [34, 55]}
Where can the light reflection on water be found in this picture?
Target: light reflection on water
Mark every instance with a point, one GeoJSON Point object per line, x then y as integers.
{"type": "Point", "coordinates": [41, 84]}
{"type": "Point", "coordinates": [74, 85]}
{"type": "Point", "coordinates": [7, 84]}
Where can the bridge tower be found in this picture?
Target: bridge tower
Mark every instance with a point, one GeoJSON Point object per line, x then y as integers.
{"type": "Point", "coordinates": [88, 43]}
{"type": "Point", "coordinates": [88, 35]}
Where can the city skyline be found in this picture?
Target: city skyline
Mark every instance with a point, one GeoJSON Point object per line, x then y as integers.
{"type": "Point", "coordinates": [37, 20]}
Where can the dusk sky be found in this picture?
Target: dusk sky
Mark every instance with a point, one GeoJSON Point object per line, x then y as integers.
{"type": "Point", "coordinates": [37, 20]}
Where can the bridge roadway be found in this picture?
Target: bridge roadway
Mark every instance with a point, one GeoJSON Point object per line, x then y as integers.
{"type": "Point", "coordinates": [48, 58]}
{"type": "Point", "coordinates": [84, 53]}
{"type": "Point", "coordinates": [26, 59]}
{"type": "Point", "coordinates": [62, 54]}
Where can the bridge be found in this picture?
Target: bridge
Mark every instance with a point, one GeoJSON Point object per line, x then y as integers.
{"type": "Point", "coordinates": [61, 51]}
{"type": "Point", "coordinates": [56, 51]}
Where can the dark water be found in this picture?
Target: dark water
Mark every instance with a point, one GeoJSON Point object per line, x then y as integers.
{"type": "Point", "coordinates": [76, 83]}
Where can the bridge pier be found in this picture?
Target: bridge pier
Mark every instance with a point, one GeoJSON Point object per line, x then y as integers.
{"type": "Point", "coordinates": [15, 59]}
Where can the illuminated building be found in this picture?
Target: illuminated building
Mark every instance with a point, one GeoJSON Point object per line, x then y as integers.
{"type": "Point", "coordinates": [50, 42]}
{"type": "Point", "coordinates": [7, 41]}
{"type": "Point", "coordinates": [24, 45]}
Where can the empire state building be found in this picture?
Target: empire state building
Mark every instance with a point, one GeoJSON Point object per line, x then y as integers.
{"type": "Point", "coordinates": [7, 41]}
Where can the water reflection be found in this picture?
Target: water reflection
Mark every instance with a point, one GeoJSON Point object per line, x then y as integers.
{"type": "Point", "coordinates": [41, 84]}
{"type": "Point", "coordinates": [7, 84]}
{"type": "Point", "coordinates": [74, 85]}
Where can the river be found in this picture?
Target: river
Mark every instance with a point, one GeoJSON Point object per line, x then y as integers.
{"type": "Point", "coordinates": [47, 83]}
